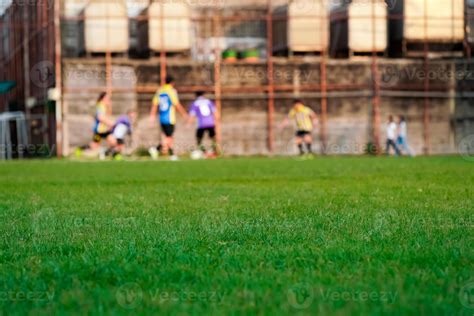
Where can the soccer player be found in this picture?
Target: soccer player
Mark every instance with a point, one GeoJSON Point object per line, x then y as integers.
{"type": "Point", "coordinates": [164, 105]}
{"type": "Point", "coordinates": [402, 141]}
{"type": "Point", "coordinates": [305, 120]}
{"type": "Point", "coordinates": [122, 128]}
{"type": "Point", "coordinates": [204, 110]}
{"type": "Point", "coordinates": [392, 136]}
{"type": "Point", "coordinates": [103, 124]}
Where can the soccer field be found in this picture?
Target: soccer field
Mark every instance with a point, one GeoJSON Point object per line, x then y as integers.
{"type": "Point", "coordinates": [345, 236]}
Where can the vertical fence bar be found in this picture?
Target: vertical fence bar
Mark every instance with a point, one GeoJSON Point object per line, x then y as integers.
{"type": "Point", "coordinates": [162, 44]}
{"type": "Point", "coordinates": [217, 75]}
{"type": "Point", "coordinates": [108, 76]}
{"type": "Point", "coordinates": [426, 117]}
{"type": "Point", "coordinates": [324, 88]}
{"type": "Point", "coordinates": [271, 88]}
{"type": "Point", "coordinates": [467, 28]}
{"type": "Point", "coordinates": [108, 69]}
{"type": "Point", "coordinates": [58, 78]}
{"type": "Point", "coordinates": [26, 32]}
{"type": "Point", "coordinates": [375, 84]}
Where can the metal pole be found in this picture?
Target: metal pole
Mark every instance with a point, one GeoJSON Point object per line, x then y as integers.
{"type": "Point", "coordinates": [426, 115]}
{"type": "Point", "coordinates": [58, 79]}
{"type": "Point", "coordinates": [324, 88]}
{"type": "Point", "coordinates": [217, 76]}
{"type": "Point", "coordinates": [26, 57]}
{"type": "Point", "coordinates": [162, 45]}
{"type": "Point", "coordinates": [108, 77]}
{"type": "Point", "coordinates": [271, 89]}
{"type": "Point", "coordinates": [467, 23]}
{"type": "Point", "coordinates": [376, 85]}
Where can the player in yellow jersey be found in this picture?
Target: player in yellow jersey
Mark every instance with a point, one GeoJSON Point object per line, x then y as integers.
{"type": "Point", "coordinates": [103, 124]}
{"type": "Point", "coordinates": [164, 106]}
{"type": "Point", "coordinates": [305, 120]}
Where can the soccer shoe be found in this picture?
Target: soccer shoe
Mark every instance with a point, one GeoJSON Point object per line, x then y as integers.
{"type": "Point", "coordinates": [78, 152]}
{"type": "Point", "coordinates": [102, 154]}
{"type": "Point", "coordinates": [174, 158]}
{"type": "Point", "coordinates": [153, 153]}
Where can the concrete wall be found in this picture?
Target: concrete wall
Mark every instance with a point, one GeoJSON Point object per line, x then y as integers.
{"type": "Point", "coordinates": [244, 115]}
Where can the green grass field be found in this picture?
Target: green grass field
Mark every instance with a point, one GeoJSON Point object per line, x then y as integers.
{"type": "Point", "coordinates": [343, 236]}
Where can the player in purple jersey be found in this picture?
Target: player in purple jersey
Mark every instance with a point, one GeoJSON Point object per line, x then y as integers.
{"type": "Point", "coordinates": [122, 128]}
{"type": "Point", "coordinates": [204, 110]}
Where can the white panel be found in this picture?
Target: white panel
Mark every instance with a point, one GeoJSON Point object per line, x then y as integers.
{"type": "Point", "coordinates": [176, 27]}
{"type": "Point", "coordinates": [106, 27]}
{"type": "Point", "coordinates": [445, 20]}
{"type": "Point", "coordinates": [308, 25]}
{"type": "Point", "coordinates": [365, 18]}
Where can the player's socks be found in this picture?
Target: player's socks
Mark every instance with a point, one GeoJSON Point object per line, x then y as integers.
{"type": "Point", "coordinates": [300, 147]}
{"type": "Point", "coordinates": [170, 151]}
{"type": "Point", "coordinates": [202, 148]}
{"type": "Point", "coordinates": [214, 148]}
{"type": "Point", "coordinates": [114, 153]}
{"type": "Point", "coordinates": [154, 153]}
{"type": "Point", "coordinates": [308, 146]}
{"type": "Point", "coordinates": [78, 152]}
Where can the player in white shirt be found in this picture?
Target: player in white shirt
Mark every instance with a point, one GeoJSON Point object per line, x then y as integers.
{"type": "Point", "coordinates": [402, 141]}
{"type": "Point", "coordinates": [122, 128]}
{"type": "Point", "coordinates": [392, 133]}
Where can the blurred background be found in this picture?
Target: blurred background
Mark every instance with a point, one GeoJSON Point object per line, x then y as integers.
{"type": "Point", "coordinates": [353, 62]}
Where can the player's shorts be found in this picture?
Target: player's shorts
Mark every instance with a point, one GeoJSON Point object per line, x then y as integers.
{"type": "Point", "coordinates": [98, 137]}
{"type": "Point", "coordinates": [120, 141]}
{"type": "Point", "coordinates": [120, 131]}
{"type": "Point", "coordinates": [302, 133]}
{"type": "Point", "coordinates": [167, 129]}
{"type": "Point", "coordinates": [210, 130]}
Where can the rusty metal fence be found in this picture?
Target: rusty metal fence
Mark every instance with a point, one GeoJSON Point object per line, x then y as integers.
{"type": "Point", "coordinates": [31, 36]}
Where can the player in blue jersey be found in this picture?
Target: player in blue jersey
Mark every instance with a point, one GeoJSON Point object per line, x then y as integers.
{"type": "Point", "coordinates": [164, 106]}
